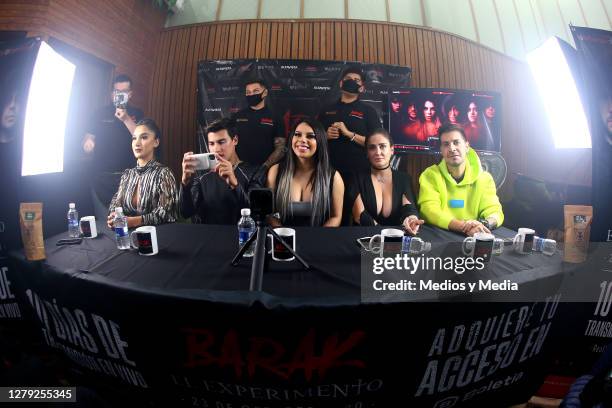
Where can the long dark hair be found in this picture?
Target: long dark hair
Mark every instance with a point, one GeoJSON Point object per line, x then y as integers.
{"type": "Point", "coordinates": [319, 181]}
{"type": "Point", "coordinates": [421, 108]}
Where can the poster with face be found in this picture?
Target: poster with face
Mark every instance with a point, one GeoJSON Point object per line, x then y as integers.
{"type": "Point", "coordinates": [415, 115]}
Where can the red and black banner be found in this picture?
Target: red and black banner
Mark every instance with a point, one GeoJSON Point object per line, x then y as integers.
{"type": "Point", "coordinates": [297, 88]}
{"type": "Point", "coordinates": [226, 349]}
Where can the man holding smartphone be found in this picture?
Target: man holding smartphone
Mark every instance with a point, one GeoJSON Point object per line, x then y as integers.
{"type": "Point", "coordinates": [217, 196]}
{"type": "Point", "coordinates": [109, 135]}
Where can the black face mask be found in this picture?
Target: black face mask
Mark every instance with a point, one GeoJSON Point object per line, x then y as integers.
{"type": "Point", "coordinates": [255, 99]}
{"type": "Point", "coordinates": [350, 86]}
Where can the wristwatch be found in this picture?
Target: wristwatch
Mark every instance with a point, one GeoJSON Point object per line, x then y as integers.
{"type": "Point", "coordinates": [485, 222]}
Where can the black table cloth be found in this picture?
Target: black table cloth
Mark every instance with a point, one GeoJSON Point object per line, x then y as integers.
{"type": "Point", "coordinates": [196, 259]}
{"type": "Point", "coordinates": [183, 325]}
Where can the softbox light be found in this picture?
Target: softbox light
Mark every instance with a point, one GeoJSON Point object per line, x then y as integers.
{"type": "Point", "coordinates": [46, 113]}
{"type": "Point", "coordinates": [556, 84]}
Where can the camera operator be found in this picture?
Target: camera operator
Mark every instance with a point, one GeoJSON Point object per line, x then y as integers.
{"type": "Point", "coordinates": [109, 135]}
{"type": "Point", "coordinates": [217, 196]}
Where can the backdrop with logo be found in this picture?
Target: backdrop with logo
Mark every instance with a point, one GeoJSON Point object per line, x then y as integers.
{"type": "Point", "coordinates": [297, 88]}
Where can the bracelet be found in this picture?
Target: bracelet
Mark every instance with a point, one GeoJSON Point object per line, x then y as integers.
{"type": "Point", "coordinates": [354, 136]}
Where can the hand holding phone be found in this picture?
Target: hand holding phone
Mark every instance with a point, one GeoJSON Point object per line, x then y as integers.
{"type": "Point", "coordinates": [205, 161]}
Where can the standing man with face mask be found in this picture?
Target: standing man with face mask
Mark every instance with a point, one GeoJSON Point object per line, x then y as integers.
{"type": "Point", "coordinates": [261, 133]}
{"type": "Point", "coordinates": [348, 122]}
{"type": "Point", "coordinates": [109, 136]}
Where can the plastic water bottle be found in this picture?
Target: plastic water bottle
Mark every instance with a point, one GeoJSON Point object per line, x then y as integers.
{"type": "Point", "coordinates": [246, 228]}
{"type": "Point", "coordinates": [121, 229]}
{"type": "Point", "coordinates": [414, 245]}
{"type": "Point", "coordinates": [545, 246]}
{"type": "Point", "coordinates": [73, 221]}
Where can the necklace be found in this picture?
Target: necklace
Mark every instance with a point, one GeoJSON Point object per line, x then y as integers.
{"type": "Point", "coordinates": [380, 179]}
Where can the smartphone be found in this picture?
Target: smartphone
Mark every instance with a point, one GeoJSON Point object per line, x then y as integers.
{"type": "Point", "coordinates": [120, 99]}
{"type": "Point", "coordinates": [205, 161]}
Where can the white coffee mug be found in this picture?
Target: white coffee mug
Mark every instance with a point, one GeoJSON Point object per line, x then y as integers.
{"type": "Point", "coordinates": [278, 250]}
{"type": "Point", "coordinates": [145, 240]}
{"type": "Point", "coordinates": [523, 241]}
{"type": "Point", "coordinates": [88, 227]}
{"type": "Point", "coordinates": [390, 242]}
{"type": "Point", "coordinates": [482, 245]}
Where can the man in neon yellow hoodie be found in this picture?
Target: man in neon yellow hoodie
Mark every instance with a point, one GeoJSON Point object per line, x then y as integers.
{"type": "Point", "coordinates": [457, 194]}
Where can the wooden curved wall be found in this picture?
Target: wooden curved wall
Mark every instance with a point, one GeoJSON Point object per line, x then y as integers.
{"type": "Point", "coordinates": [124, 33]}
{"type": "Point", "coordinates": [438, 60]}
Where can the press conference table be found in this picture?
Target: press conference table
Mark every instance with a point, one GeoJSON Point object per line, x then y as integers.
{"type": "Point", "coordinates": [194, 260]}
{"type": "Point", "coordinates": [190, 328]}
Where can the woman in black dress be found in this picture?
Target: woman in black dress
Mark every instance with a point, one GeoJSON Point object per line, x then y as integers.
{"type": "Point", "coordinates": [384, 196]}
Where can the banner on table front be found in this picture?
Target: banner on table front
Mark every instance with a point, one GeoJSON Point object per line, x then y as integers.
{"type": "Point", "coordinates": [239, 352]}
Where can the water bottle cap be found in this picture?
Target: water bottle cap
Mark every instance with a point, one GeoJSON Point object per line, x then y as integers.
{"type": "Point", "coordinates": [245, 211]}
{"type": "Point", "coordinates": [119, 209]}
{"type": "Point", "coordinates": [71, 205]}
